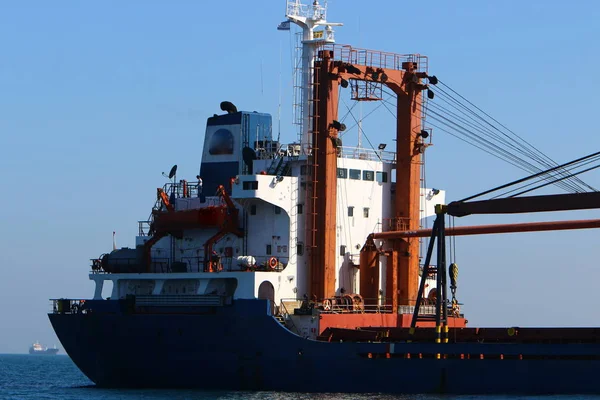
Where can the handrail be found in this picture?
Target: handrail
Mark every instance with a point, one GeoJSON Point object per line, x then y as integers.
{"type": "Point", "coordinates": [359, 153]}
{"type": "Point", "coordinates": [68, 306]}
{"type": "Point", "coordinates": [370, 306]}
{"type": "Point", "coordinates": [282, 305]}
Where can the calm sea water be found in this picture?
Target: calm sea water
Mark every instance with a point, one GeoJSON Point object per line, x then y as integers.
{"type": "Point", "coordinates": [56, 377]}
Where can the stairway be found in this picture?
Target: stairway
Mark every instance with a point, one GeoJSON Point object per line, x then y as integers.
{"type": "Point", "coordinates": [279, 167]}
{"type": "Point", "coordinates": [280, 319]}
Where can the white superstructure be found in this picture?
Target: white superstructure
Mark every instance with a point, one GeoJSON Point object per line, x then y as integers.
{"type": "Point", "coordinates": [265, 256]}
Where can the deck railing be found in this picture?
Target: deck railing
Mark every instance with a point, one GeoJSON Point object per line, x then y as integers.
{"type": "Point", "coordinates": [337, 305]}
{"type": "Point", "coordinates": [191, 264]}
{"type": "Point", "coordinates": [67, 306]}
{"type": "Point", "coordinates": [366, 154]}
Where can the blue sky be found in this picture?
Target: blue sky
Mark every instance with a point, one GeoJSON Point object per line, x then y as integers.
{"type": "Point", "coordinates": [97, 99]}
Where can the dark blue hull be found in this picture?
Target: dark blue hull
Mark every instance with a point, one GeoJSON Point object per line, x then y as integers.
{"type": "Point", "coordinates": [243, 347]}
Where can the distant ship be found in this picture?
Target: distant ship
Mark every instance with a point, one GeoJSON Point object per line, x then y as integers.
{"type": "Point", "coordinates": [37, 348]}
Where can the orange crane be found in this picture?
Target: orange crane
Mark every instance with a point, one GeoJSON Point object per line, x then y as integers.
{"type": "Point", "coordinates": [160, 193]}
{"type": "Point", "coordinates": [175, 222]}
{"type": "Point", "coordinates": [230, 225]}
{"type": "Point", "coordinates": [404, 77]}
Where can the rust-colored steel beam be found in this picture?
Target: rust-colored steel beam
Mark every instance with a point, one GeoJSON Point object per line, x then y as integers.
{"type": "Point", "coordinates": [408, 184]}
{"type": "Point", "coordinates": [499, 228]}
{"type": "Point", "coordinates": [369, 273]}
{"type": "Point", "coordinates": [322, 202]}
{"type": "Point", "coordinates": [391, 279]}
{"type": "Point", "coordinates": [406, 84]}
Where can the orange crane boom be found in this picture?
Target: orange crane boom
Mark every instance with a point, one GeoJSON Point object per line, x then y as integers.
{"type": "Point", "coordinates": [497, 228]}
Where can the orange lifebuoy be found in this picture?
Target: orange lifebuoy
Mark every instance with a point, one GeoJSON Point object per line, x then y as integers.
{"type": "Point", "coordinates": [273, 262]}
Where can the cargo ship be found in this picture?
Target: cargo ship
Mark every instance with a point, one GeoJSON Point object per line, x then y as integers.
{"type": "Point", "coordinates": [297, 266]}
{"type": "Point", "coordinates": [38, 349]}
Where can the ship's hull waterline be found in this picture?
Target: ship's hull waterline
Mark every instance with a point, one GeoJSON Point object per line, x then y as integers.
{"type": "Point", "coordinates": [244, 347]}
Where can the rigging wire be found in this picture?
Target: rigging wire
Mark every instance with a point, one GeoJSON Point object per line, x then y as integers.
{"type": "Point", "coordinates": [549, 183]}
{"type": "Point", "coordinates": [348, 112]}
{"type": "Point", "coordinates": [517, 162]}
{"type": "Point", "coordinates": [538, 155]}
{"type": "Point", "coordinates": [523, 147]}
{"type": "Point", "coordinates": [503, 154]}
{"type": "Point", "coordinates": [531, 176]}
{"type": "Point", "coordinates": [475, 125]}
{"type": "Point", "coordinates": [366, 137]}
{"type": "Point", "coordinates": [452, 225]}
{"type": "Point", "coordinates": [484, 124]}
{"type": "Point", "coordinates": [503, 126]}
{"type": "Point", "coordinates": [511, 145]}
{"type": "Point", "coordinates": [356, 124]}
{"type": "Point", "coordinates": [492, 146]}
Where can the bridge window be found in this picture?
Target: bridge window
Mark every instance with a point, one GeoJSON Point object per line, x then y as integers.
{"type": "Point", "coordinates": [342, 173]}
{"type": "Point", "coordinates": [268, 249]}
{"type": "Point", "coordinates": [381, 176]}
{"type": "Point", "coordinates": [300, 249]}
{"type": "Point", "coordinates": [300, 208]}
{"type": "Point", "coordinates": [368, 176]}
{"type": "Point", "coordinates": [366, 212]}
{"type": "Point", "coordinates": [351, 211]}
{"type": "Point", "coordinates": [250, 185]}
{"type": "Point", "coordinates": [355, 174]}
{"type": "Point", "coordinates": [221, 142]}
{"type": "Point", "coordinates": [342, 250]}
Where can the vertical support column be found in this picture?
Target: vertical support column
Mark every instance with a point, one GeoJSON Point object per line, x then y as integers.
{"type": "Point", "coordinates": [369, 273]}
{"type": "Point", "coordinates": [443, 299]}
{"type": "Point", "coordinates": [322, 205]}
{"type": "Point", "coordinates": [391, 284]}
{"type": "Point", "coordinates": [426, 270]}
{"type": "Point", "coordinates": [408, 170]}
{"type": "Point", "coordinates": [98, 289]}
{"type": "Point", "coordinates": [440, 295]}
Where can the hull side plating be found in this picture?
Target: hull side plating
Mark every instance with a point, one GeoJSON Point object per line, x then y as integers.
{"type": "Point", "coordinates": [243, 347]}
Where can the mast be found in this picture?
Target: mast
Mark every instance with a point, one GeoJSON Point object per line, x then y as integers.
{"type": "Point", "coordinates": [308, 18]}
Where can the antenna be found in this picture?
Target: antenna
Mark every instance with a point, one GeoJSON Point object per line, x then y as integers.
{"type": "Point", "coordinates": [279, 105]}
{"type": "Point", "coordinates": [360, 109]}
{"type": "Point", "coordinates": [360, 116]}
{"type": "Point", "coordinates": [173, 172]}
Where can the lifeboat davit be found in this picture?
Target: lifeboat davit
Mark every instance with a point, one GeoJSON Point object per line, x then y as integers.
{"type": "Point", "coordinates": [190, 219]}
